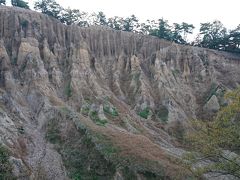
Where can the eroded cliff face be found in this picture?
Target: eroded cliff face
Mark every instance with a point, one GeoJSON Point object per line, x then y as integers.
{"type": "Point", "coordinates": [97, 103]}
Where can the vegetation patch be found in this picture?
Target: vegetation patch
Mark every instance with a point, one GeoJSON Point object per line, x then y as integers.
{"type": "Point", "coordinates": [24, 23]}
{"type": "Point", "coordinates": [65, 110]}
{"type": "Point", "coordinates": [14, 60]}
{"type": "Point", "coordinates": [94, 116]}
{"type": "Point", "coordinates": [128, 174]}
{"type": "Point", "coordinates": [85, 109]}
{"type": "Point", "coordinates": [175, 73]}
{"type": "Point", "coordinates": [112, 111]}
{"type": "Point", "coordinates": [23, 66]}
{"type": "Point", "coordinates": [144, 113]}
{"type": "Point", "coordinates": [5, 165]}
{"type": "Point", "coordinates": [136, 76]}
{"type": "Point", "coordinates": [68, 89]}
{"type": "Point", "coordinates": [149, 175]}
{"type": "Point", "coordinates": [149, 169]}
{"type": "Point", "coordinates": [217, 141]}
{"type": "Point", "coordinates": [21, 130]}
{"type": "Point", "coordinates": [217, 91]}
{"type": "Point", "coordinates": [212, 91]}
{"type": "Point", "coordinates": [162, 114]}
{"type": "Point", "coordinates": [83, 160]}
{"type": "Point", "coordinates": [79, 152]}
{"type": "Point", "coordinates": [199, 77]}
{"type": "Point", "coordinates": [53, 132]}
{"type": "Point", "coordinates": [104, 145]}
{"type": "Point", "coordinates": [92, 155]}
{"type": "Point", "coordinates": [177, 131]}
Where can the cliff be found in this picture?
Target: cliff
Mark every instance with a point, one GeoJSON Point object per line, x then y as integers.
{"type": "Point", "coordinates": [97, 103]}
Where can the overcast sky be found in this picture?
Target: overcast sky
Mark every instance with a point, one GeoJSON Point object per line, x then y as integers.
{"type": "Point", "coordinates": [190, 11]}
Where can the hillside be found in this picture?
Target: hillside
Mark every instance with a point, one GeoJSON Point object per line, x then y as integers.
{"type": "Point", "coordinates": [85, 103]}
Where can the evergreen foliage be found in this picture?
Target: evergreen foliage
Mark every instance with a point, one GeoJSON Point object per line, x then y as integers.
{"type": "Point", "coordinates": [20, 3]}
{"type": "Point", "coordinates": [2, 2]}
{"type": "Point", "coordinates": [211, 35]}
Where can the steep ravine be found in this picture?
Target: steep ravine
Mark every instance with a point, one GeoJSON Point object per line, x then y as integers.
{"type": "Point", "coordinates": [85, 103]}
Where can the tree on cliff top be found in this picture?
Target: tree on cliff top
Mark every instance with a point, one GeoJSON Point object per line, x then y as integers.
{"type": "Point", "coordinates": [213, 35]}
{"type": "Point", "coordinates": [2, 2]}
{"type": "Point", "coordinates": [130, 24]}
{"type": "Point", "coordinates": [180, 32]}
{"type": "Point", "coordinates": [100, 19]}
{"type": "Point", "coordinates": [234, 40]}
{"type": "Point", "coordinates": [20, 3]}
{"type": "Point", "coordinates": [49, 7]}
{"type": "Point", "coordinates": [70, 16]}
{"type": "Point", "coordinates": [216, 144]}
{"type": "Point", "coordinates": [163, 30]}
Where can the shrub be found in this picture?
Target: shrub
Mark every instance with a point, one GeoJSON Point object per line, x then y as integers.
{"type": "Point", "coordinates": [112, 111]}
{"type": "Point", "coordinates": [211, 92]}
{"type": "Point", "coordinates": [144, 113]}
{"type": "Point", "coordinates": [14, 61]}
{"type": "Point", "coordinates": [5, 165]}
{"type": "Point", "coordinates": [175, 72]}
{"type": "Point", "coordinates": [24, 23]}
{"type": "Point", "coordinates": [85, 110]}
{"type": "Point", "coordinates": [68, 89]}
{"type": "Point", "coordinates": [162, 113]}
{"type": "Point", "coordinates": [217, 141]}
{"type": "Point", "coordinates": [53, 132]}
{"type": "Point", "coordinates": [94, 116]}
{"type": "Point", "coordinates": [20, 3]}
{"type": "Point", "coordinates": [82, 158]}
{"type": "Point", "coordinates": [21, 130]}
{"type": "Point", "coordinates": [106, 109]}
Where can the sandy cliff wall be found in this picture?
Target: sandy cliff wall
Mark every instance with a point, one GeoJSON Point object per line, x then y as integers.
{"type": "Point", "coordinates": [153, 85]}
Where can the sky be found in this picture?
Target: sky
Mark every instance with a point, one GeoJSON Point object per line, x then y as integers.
{"type": "Point", "coordinates": [190, 11]}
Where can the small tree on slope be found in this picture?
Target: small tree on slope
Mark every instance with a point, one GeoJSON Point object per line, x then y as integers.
{"type": "Point", "coordinates": [216, 144]}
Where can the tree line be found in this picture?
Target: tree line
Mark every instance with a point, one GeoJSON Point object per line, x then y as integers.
{"type": "Point", "coordinates": [17, 3]}
{"type": "Point", "coordinates": [211, 35]}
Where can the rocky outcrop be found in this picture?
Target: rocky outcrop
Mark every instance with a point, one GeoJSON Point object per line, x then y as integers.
{"type": "Point", "coordinates": [212, 104]}
{"type": "Point", "coordinates": [128, 89]}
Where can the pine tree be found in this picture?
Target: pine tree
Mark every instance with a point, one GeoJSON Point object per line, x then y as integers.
{"type": "Point", "coordinates": [20, 3]}
{"type": "Point", "coordinates": [2, 2]}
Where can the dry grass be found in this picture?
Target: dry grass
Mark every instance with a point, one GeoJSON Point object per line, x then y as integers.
{"type": "Point", "coordinates": [140, 150]}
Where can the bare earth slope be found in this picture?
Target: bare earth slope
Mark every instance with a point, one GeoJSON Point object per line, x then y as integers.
{"type": "Point", "coordinates": [89, 103]}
